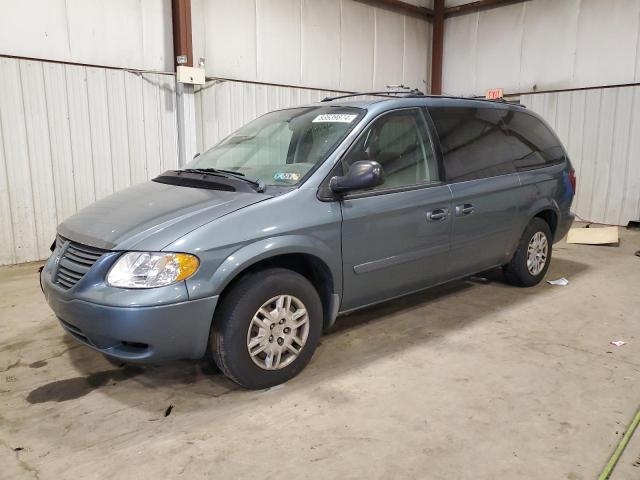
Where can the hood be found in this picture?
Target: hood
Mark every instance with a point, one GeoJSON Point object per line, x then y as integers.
{"type": "Point", "coordinates": [151, 215]}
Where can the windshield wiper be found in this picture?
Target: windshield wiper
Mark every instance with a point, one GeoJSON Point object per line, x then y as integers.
{"type": "Point", "coordinates": [258, 184]}
{"type": "Point", "coordinates": [210, 170]}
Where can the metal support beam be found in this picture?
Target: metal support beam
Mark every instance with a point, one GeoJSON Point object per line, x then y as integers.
{"type": "Point", "coordinates": [478, 5]}
{"type": "Point", "coordinates": [186, 119]}
{"type": "Point", "coordinates": [401, 6]}
{"type": "Point", "coordinates": [185, 97]}
{"type": "Point", "coordinates": [437, 46]}
{"type": "Point", "coordinates": [181, 16]}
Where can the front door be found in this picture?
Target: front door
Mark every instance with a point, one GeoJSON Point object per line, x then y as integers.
{"type": "Point", "coordinates": [395, 237]}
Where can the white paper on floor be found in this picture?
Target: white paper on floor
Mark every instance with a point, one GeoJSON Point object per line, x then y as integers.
{"type": "Point", "coordinates": [561, 281]}
{"type": "Point", "coordinates": [618, 343]}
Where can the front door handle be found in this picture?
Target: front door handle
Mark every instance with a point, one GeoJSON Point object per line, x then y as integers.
{"type": "Point", "coordinates": [464, 209]}
{"type": "Point", "coordinates": [438, 214]}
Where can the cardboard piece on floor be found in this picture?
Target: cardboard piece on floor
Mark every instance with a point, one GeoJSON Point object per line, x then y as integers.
{"type": "Point", "coordinates": [593, 235]}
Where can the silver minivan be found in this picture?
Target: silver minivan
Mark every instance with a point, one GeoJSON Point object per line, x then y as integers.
{"type": "Point", "coordinates": [252, 250]}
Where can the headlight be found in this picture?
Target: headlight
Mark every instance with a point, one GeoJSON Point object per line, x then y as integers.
{"type": "Point", "coordinates": [151, 269]}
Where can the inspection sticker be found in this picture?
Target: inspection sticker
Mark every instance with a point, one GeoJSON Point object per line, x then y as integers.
{"type": "Point", "coordinates": [335, 117]}
{"type": "Point", "coordinates": [286, 177]}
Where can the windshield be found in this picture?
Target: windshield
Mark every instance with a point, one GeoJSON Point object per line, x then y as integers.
{"type": "Point", "coordinates": [281, 147]}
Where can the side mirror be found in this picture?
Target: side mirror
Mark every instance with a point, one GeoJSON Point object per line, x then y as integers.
{"type": "Point", "coordinates": [362, 174]}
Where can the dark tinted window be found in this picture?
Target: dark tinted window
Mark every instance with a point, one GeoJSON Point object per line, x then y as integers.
{"type": "Point", "coordinates": [485, 142]}
{"type": "Point", "coordinates": [400, 143]}
{"type": "Point", "coordinates": [543, 146]}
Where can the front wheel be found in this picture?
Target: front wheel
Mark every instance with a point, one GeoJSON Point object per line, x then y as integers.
{"type": "Point", "coordinates": [531, 260]}
{"type": "Point", "coordinates": [266, 328]}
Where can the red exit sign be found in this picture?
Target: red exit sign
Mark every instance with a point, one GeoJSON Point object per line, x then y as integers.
{"type": "Point", "coordinates": [494, 93]}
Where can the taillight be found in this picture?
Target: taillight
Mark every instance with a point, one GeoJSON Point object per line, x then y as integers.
{"type": "Point", "coordinates": [572, 179]}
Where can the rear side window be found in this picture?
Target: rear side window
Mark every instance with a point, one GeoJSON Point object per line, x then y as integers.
{"type": "Point", "coordinates": [486, 142]}
{"type": "Point", "coordinates": [543, 146]}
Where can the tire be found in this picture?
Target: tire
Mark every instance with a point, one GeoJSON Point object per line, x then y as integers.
{"type": "Point", "coordinates": [517, 272]}
{"type": "Point", "coordinates": [238, 323]}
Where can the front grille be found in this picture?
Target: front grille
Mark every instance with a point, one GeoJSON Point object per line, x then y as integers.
{"type": "Point", "coordinates": [75, 261]}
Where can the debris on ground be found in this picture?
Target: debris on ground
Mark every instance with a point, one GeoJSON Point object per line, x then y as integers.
{"type": "Point", "coordinates": [618, 343]}
{"type": "Point", "coordinates": [18, 449]}
{"type": "Point", "coordinates": [637, 253]}
{"type": "Point", "coordinates": [167, 412]}
{"type": "Point", "coordinates": [561, 282]}
{"type": "Point", "coordinates": [476, 279]}
{"type": "Point", "coordinates": [593, 236]}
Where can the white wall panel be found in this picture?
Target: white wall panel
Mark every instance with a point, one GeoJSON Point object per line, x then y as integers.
{"type": "Point", "coordinates": [415, 63]}
{"type": "Point", "coordinates": [504, 57]}
{"type": "Point", "coordinates": [69, 135]}
{"type": "Point", "coordinates": [356, 52]}
{"type": "Point", "coordinates": [60, 138]}
{"type": "Point", "coordinates": [138, 33]}
{"type": "Point", "coordinates": [607, 42]}
{"type": "Point", "coordinates": [601, 130]}
{"type": "Point", "coordinates": [459, 55]}
{"type": "Point", "coordinates": [321, 42]}
{"type": "Point", "coordinates": [388, 48]}
{"type": "Point", "coordinates": [333, 44]}
{"type": "Point", "coordinates": [228, 32]}
{"type": "Point", "coordinates": [38, 153]}
{"type": "Point", "coordinates": [549, 46]}
{"type": "Point", "coordinates": [23, 246]}
{"type": "Point", "coordinates": [542, 45]}
{"type": "Point", "coordinates": [224, 106]}
{"type": "Point", "coordinates": [278, 24]}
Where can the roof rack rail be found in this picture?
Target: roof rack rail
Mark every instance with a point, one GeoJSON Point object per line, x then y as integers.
{"type": "Point", "coordinates": [499, 100]}
{"type": "Point", "coordinates": [406, 92]}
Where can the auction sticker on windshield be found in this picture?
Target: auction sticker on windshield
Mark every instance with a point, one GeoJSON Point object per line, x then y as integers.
{"type": "Point", "coordinates": [286, 177]}
{"type": "Point", "coordinates": [335, 117]}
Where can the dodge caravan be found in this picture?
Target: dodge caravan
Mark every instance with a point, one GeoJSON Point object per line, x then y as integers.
{"type": "Point", "coordinates": [254, 248]}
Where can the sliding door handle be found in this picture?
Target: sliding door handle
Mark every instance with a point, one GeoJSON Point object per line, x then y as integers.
{"type": "Point", "coordinates": [465, 209]}
{"type": "Point", "coordinates": [438, 214]}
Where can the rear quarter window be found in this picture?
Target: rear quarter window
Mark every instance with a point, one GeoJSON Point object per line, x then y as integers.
{"type": "Point", "coordinates": [543, 146]}
{"type": "Point", "coordinates": [487, 142]}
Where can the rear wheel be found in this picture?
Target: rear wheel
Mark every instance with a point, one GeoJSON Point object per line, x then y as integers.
{"type": "Point", "coordinates": [531, 260]}
{"type": "Point", "coordinates": [266, 328]}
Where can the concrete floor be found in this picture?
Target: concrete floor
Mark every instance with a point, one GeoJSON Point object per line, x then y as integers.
{"type": "Point", "coordinates": [474, 380]}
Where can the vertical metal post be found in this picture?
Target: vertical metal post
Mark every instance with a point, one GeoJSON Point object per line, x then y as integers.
{"type": "Point", "coordinates": [186, 119]}
{"type": "Point", "coordinates": [185, 98]}
{"type": "Point", "coordinates": [437, 47]}
{"type": "Point", "coordinates": [181, 16]}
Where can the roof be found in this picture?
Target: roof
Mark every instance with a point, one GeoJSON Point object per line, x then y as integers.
{"type": "Point", "coordinates": [427, 100]}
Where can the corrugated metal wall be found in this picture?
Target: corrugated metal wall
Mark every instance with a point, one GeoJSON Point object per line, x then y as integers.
{"type": "Point", "coordinates": [332, 44]}
{"type": "Point", "coordinates": [601, 130]}
{"type": "Point", "coordinates": [71, 134]}
{"type": "Point", "coordinates": [543, 45]}
{"type": "Point", "coordinates": [116, 33]}
{"type": "Point", "coordinates": [224, 106]}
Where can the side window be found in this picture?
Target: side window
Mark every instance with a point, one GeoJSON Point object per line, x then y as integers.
{"type": "Point", "coordinates": [543, 147]}
{"type": "Point", "coordinates": [399, 142]}
{"type": "Point", "coordinates": [475, 142]}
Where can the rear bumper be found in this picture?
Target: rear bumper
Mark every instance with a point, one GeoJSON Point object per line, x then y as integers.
{"type": "Point", "coordinates": [137, 334]}
{"type": "Point", "coordinates": [564, 224]}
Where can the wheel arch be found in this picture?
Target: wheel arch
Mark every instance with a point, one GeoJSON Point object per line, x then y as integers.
{"type": "Point", "coordinates": [305, 257]}
{"type": "Point", "coordinates": [548, 210]}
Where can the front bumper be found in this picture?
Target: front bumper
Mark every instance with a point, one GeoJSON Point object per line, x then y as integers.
{"type": "Point", "coordinates": [144, 334]}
